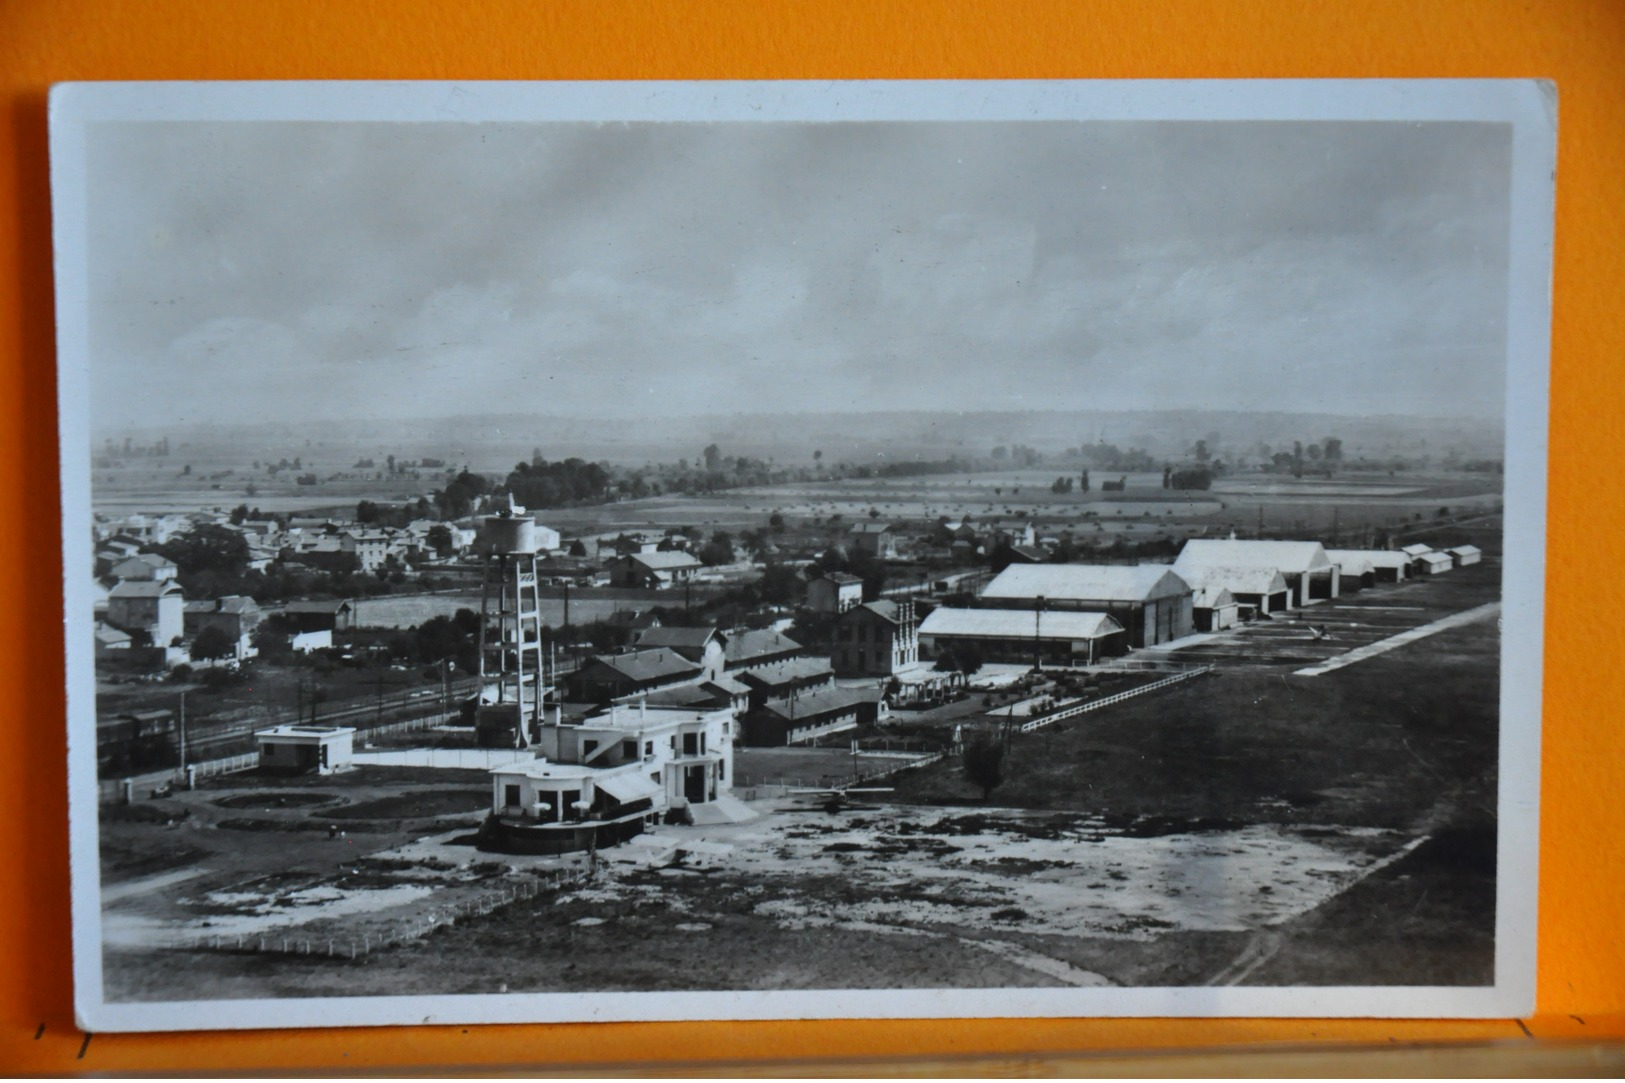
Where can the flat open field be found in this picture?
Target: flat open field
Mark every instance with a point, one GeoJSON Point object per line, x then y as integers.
{"type": "Point", "coordinates": [1350, 504]}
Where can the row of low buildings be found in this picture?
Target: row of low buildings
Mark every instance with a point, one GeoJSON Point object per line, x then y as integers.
{"type": "Point", "coordinates": [1076, 614]}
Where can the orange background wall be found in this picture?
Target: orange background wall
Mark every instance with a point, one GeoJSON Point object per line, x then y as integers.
{"type": "Point", "coordinates": [1578, 43]}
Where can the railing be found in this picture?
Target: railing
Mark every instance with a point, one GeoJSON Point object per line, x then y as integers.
{"type": "Point", "coordinates": [1119, 697]}
{"type": "Point", "coordinates": [111, 791]}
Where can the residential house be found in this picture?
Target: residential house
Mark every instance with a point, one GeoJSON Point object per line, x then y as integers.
{"type": "Point", "coordinates": [337, 615]}
{"type": "Point", "coordinates": [235, 615]}
{"type": "Point", "coordinates": [874, 537]}
{"type": "Point", "coordinates": [653, 571]}
{"type": "Point", "coordinates": [834, 592]}
{"type": "Point", "coordinates": [1150, 602]}
{"type": "Point", "coordinates": [747, 647]}
{"type": "Point", "coordinates": [150, 610]}
{"type": "Point", "coordinates": [702, 646]}
{"type": "Point", "coordinates": [149, 567]}
{"type": "Point", "coordinates": [607, 677]}
{"type": "Point", "coordinates": [875, 639]}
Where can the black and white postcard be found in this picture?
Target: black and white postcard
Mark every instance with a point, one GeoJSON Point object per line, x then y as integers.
{"type": "Point", "coordinates": [560, 552]}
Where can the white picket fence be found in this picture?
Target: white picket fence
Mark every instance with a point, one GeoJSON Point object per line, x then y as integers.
{"type": "Point", "coordinates": [111, 791]}
{"type": "Point", "coordinates": [465, 758]}
{"type": "Point", "coordinates": [1106, 701]}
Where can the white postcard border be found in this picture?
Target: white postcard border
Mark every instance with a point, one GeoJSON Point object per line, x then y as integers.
{"type": "Point", "coordinates": [1529, 106]}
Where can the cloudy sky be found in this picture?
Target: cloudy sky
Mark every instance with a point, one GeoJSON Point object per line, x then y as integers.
{"type": "Point", "coordinates": [255, 271]}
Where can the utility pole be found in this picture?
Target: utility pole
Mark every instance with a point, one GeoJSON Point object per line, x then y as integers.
{"type": "Point", "coordinates": [183, 731]}
{"type": "Point", "coordinates": [567, 603]}
{"type": "Point", "coordinates": [1038, 642]}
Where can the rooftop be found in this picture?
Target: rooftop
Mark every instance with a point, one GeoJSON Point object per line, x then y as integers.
{"type": "Point", "coordinates": [790, 669]}
{"type": "Point", "coordinates": [648, 665]}
{"type": "Point", "coordinates": [1086, 582]}
{"type": "Point", "coordinates": [1246, 579]}
{"type": "Point", "coordinates": [824, 701]}
{"type": "Point", "coordinates": [145, 588]}
{"type": "Point", "coordinates": [1291, 557]}
{"type": "Point", "coordinates": [1018, 624]}
{"type": "Point", "coordinates": [658, 561]}
{"type": "Point", "coordinates": [1378, 558]}
{"type": "Point", "coordinates": [670, 636]}
{"type": "Point", "coordinates": [745, 645]}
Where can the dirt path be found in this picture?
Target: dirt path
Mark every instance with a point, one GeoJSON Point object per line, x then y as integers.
{"type": "Point", "coordinates": [1382, 646]}
{"type": "Point", "coordinates": [147, 885]}
{"type": "Point", "coordinates": [1043, 964]}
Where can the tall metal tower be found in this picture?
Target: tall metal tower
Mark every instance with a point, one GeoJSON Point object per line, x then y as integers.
{"type": "Point", "coordinates": [512, 680]}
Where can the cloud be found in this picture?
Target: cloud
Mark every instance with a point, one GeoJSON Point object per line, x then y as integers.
{"type": "Point", "coordinates": [282, 271]}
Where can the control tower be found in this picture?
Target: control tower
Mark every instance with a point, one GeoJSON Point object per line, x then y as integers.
{"type": "Point", "coordinates": [512, 684]}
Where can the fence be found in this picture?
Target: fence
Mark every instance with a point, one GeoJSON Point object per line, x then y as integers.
{"type": "Point", "coordinates": [1107, 701]}
{"type": "Point", "coordinates": [463, 758]}
{"type": "Point", "coordinates": [111, 791]}
{"type": "Point", "coordinates": [779, 787]}
{"type": "Point", "coordinates": [350, 947]}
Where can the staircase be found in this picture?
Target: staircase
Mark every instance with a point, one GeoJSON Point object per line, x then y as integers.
{"type": "Point", "coordinates": [726, 809]}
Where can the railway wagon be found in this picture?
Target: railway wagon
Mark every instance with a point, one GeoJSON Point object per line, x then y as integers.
{"type": "Point", "coordinates": [136, 741]}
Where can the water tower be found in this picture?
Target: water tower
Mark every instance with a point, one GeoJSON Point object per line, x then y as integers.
{"type": "Point", "coordinates": [512, 685]}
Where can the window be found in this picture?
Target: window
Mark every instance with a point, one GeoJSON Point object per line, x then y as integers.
{"type": "Point", "coordinates": [691, 744]}
{"type": "Point", "coordinates": [648, 748]}
{"type": "Point", "coordinates": [722, 770]}
{"type": "Point", "coordinates": [510, 796]}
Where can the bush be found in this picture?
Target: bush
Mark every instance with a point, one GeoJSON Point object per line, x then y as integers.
{"type": "Point", "coordinates": [984, 762]}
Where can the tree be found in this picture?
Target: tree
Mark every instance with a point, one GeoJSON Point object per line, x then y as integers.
{"type": "Point", "coordinates": [713, 456]}
{"type": "Point", "coordinates": [719, 550]}
{"type": "Point", "coordinates": [1332, 449]}
{"type": "Point", "coordinates": [983, 761]}
{"type": "Point", "coordinates": [1200, 451]}
{"type": "Point", "coordinates": [208, 547]}
{"type": "Point", "coordinates": [964, 658]}
{"type": "Point", "coordinates": [213, 642]}
{"type": "Point", "coordinates": [439, 539]}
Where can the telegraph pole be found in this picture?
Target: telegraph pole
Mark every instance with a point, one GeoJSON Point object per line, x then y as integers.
{"type": "Point", "coordinates": [1038, 642]}
{"type": "Point", "coordinates": [183, 731]}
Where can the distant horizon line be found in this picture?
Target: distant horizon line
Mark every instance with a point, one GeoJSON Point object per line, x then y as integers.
{"type": "Point", "coordinates": [103, 432]}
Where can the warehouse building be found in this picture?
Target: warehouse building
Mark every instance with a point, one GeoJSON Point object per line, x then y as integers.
{"type": "Point", "coordinates": [1308, 571]}
{"type": "Point", "coordinates": [1023, 636]}
{"type": "Point", "coordinates": [1254, 591]}
{"type": "Point", "coordinates": [1387, 566]}
{"type": "Point", "coordinates": [1149, 602]}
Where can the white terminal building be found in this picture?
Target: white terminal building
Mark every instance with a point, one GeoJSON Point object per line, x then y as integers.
{"type": "Point", "coordinates": [595, 781]}
{"type": "Point", "coordinates": [601, 780]}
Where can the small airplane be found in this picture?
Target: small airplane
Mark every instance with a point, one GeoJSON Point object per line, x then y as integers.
{"type": "Point", "coordinates": [835, 797]}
